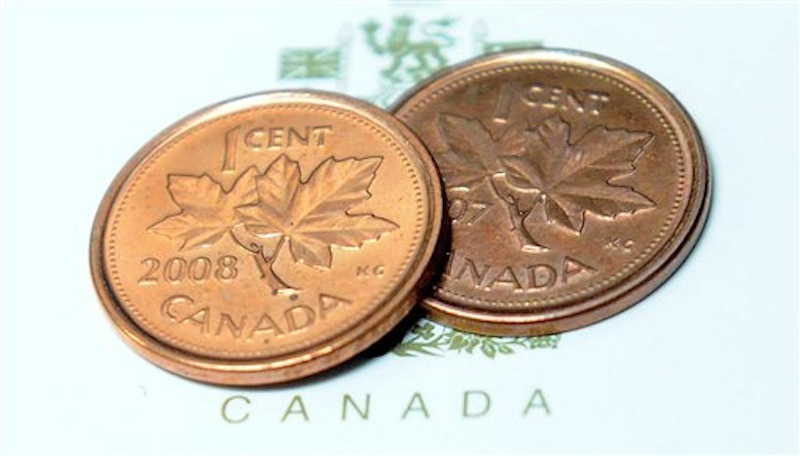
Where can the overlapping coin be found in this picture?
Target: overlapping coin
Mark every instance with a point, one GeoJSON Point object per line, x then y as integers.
{"type": "Point", "coordinates": [575, 185]}
{"type": "Point", "coordinates": [267, 238]}
{"type": "Point", "coordinates": [271, 237]}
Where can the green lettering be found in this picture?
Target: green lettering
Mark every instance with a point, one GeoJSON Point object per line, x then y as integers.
{"type": "Point", "coordinates": [466, 410]}
{"type": "Point", "coordinates": [301, 409]}
{"type": "Point", "coordinates": [536, 401]}
{"type": "Point", "coordinates": [227, 417]}
{"type": "Point", "coordinates": [349, 400]}
{"type": "Point", "coordinates": [416, 398]}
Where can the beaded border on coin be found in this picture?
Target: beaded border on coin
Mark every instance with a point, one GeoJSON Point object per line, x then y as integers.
{"type": "Point", "coordinates": [324, 354]}
{"type": "Point", "coordinates": [587, 309]}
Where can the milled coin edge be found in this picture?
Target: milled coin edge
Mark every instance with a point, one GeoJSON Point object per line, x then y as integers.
{"type": "Point", "coordinates": [657, 270]}
{"type": "Point", "coordinates": [305, 362]}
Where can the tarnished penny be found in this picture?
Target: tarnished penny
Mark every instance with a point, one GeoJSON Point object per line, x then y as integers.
{"type": "Point", "coordinates": [575, 184]}
{"type": "Point", "coordinates": [268, 237]}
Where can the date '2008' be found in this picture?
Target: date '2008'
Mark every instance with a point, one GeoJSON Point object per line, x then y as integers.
{"type": "Point", "coordinates": [177, 270]}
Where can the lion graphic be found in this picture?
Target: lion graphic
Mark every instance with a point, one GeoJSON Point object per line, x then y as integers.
{"type": "Point", "coordinates": [411, 60]}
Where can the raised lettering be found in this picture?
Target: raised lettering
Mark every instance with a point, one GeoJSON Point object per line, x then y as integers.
{"type": "Point", "coordinates": [366, 271]}
{"type": "Point", "coordinates": [320, 131]}
{"type": "Point", "coordinates": [299, 317]}
{"type": "Point", "coordinates": [168, 304]}
{"type": "Point", "coordinates": [226, 321]}
{"type": "Point", "coordinates": [274, 137]}
{"type": "Point", "coordinates": [503, 106]}
{"type": "Point", "coordinates": [327, 303]}
{"type": "Point", "coordinates": [564, 99]}
{"type": "Point", "coordinates": [199, 318]}
{"type": "Point", "coordinates": [296, 136]}
{"type": "Point", "coordinates": [150, 277]}
{"type": "Point", "coordinates": [474, 275]}
{"type": "Point", "coordinates": [265, 325]}
{"type": "Point", "coordinates": [505, 279]}
{"type": "Point", "coordinates": [573, 267]}
{"type": "Point", "coordinates": [517, 278]}
{"type": "Point", "coordinates": [231, 148]}
{"type": "Point", "coordinates": [541, 276]}
{"type": "Point", "coordinates": [462, 211]}
{"type": "Point", "coordinates": [255, 139]}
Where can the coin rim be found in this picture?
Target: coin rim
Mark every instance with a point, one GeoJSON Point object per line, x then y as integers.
{"type": "Point", "coordinates": [310, 360]}
{"type": "Point", "coordinates": [626, 293]}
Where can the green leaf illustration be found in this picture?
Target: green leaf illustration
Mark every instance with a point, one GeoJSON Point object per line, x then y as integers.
{"type": "Point", "coordinates": [429, 339]}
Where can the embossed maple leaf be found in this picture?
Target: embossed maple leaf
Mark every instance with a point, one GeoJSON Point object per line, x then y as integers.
{"type": "Point", "coordinates": [207, 211]}
{"type": "Point", "coordinates": [573, 179]}
{"type": "Point", "coordinates": [264, 212]}
{"type": "Point", "coordinates": [471, 154]}
{"type": "Point", "coordinates": [313, 215]}
{"type": "Point", "coordinates": [529, 168]}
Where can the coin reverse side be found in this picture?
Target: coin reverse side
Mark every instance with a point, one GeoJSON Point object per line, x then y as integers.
{"type": "Point", "coordinates": [575, 186]}
{"type": "Point", "coordinates": [267, 238]}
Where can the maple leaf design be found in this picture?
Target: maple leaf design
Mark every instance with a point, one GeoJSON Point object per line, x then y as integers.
{"type": "Point", "coordinates": [207, 211]}
{"type": "Point", "coordinates": [573, 179]}
{"type": "Point", "coordinates": [313, 215]}
{"type": "Point", "coordinates": [529, 168]}
{"type": "Point", "coordinates": [470, 156]}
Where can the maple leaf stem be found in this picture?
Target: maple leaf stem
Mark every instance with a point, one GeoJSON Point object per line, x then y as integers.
{"type": "Point", "coordinates": [275, 283]}
{"type": "Point", "coordinates": [517, 217]}
{"type": "Point", "coordinates": [272, 280]}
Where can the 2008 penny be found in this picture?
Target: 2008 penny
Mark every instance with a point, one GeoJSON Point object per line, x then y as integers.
{"type": "Point", "coordinates": [267, 238]}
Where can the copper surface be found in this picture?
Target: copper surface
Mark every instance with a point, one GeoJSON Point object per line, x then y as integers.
{"type": "Point", "coordinates": [575, 185]}
{"type": "Point", "coordinates": [268, 237]}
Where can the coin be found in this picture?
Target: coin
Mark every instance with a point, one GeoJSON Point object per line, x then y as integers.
{"type": "Point", "coordinates": [575, 186]}
{"type": "Point", "coordinates": [267, 238]}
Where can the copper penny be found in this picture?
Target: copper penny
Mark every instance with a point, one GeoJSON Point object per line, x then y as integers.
{"type": "Point", "coordinates": [268, 237]}
{"type": "Point", "coordinates": [575, 185]}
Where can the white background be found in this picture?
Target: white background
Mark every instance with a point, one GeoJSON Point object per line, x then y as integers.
{"type": "Point", "coordinates": [707, 363]}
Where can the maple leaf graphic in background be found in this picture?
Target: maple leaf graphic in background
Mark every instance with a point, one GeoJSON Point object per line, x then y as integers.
{"type": "Point", "coordinates": [277, 209]}
{"type": "Point", "coordinates": [529, 168]}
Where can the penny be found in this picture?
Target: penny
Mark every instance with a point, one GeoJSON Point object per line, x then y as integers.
{"type": "Point", "coordinates": [268, 237]}
{"type": "Point", "coordinates": [575, 186]}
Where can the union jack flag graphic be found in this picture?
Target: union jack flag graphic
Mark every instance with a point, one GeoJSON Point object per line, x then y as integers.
{"type": "Point", "coordinates": [315, 63]}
